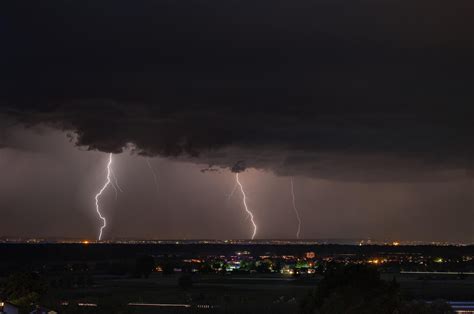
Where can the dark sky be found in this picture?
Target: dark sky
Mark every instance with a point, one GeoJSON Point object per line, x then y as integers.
{"type": "Point", "coordinates": [368, 105]}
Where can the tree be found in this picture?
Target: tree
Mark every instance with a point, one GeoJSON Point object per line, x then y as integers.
{"type": "Point", "coordinates": [144, 266]}
{"type": "Point", "coordinates": [22, 289]}
{"type": "Point", "coordinates": [358, 289]}
{"type": "Point", "coordinates": [264, 267]}
{"type": "Point", "coordinates": [352, 289]}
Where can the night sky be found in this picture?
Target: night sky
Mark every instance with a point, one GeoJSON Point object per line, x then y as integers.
{"type": "Point", "coordinates": [367, 105]}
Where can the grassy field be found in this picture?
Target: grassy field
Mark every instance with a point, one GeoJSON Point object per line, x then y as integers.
{"type": "Point", "coordinates": [446, 287]}
{"type": "Point", "coordinates": [271, 293]}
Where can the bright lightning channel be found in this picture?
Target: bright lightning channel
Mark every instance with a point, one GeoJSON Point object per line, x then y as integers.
{"type": "Point", "coordinates": [295, 209]}
{"type": "Point", "coordinates": [244, 200]}
{"type": "Point", "coordinates": [97, 196]}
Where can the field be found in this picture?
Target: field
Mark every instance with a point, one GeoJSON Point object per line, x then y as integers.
{"type": "Point", "coordinates": [272, 293]}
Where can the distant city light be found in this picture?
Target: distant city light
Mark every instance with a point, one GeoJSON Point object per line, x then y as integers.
{"type": "Point", "coordinates": [374, 261]}
{"type": "Point", "coordinates": [87, 304]}
{"type": "Point", "coordinates": [160, 304]}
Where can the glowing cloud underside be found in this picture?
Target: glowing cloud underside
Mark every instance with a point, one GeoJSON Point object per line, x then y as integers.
{"type": "Point", "coordinates": [295, 209]}
{"type": "Point", "coordinates": [244, 200]}
{"type": "Point", "coordinates": [97, 196]}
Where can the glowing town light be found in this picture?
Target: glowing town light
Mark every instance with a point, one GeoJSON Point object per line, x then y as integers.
{"type": "Point", "coordinates": [97, 196]}
{"type": "Point", "coordinates": [295, 209]}
{"type": "Point", "coordinates": [244, 201]}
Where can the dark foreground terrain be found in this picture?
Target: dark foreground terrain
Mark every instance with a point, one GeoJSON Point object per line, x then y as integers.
{"type": "Point", "coordinates": [189, 278]}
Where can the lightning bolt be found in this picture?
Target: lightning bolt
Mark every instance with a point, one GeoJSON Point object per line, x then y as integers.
{"type": "Point", "coordinates": [97, 196]}
{"type": "Point", "coordinates": [244, 200]}
{"type": "Point", "coordinates": [295, 209]}
{"type": "Point", "coordinates": [116, 184]}
{"type": "Point", "coordinates": [155, 179]}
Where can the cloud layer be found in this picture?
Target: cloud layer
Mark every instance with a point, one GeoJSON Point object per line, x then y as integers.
{"type": "Point", "coordinates": [362, 90]}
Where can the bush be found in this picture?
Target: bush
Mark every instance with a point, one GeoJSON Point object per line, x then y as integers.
{"type": "Point", "coordinates": [145, 265]}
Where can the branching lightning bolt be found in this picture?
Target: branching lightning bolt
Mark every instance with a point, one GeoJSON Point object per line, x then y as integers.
{"type": "Point", "coordinates": [97, 196]}
{"type": "Point", "coordinates": [295, 209]}
{"type": "Point", "coordinates": [115, 184]}
{"type": "Point", "coordinates": [244, 200]}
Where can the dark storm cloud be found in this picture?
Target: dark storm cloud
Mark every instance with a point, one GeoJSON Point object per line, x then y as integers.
{"type": "Point", "coordinates": [239, 166]}
{"type": "Point", "coordinates": [358, 89]}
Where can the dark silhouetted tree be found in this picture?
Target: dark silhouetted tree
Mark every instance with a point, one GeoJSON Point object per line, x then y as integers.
{"type": "Point", "coordinates": [358, 289]}
{"type": "Point", "coordinates": [352, 289]}
{"type": "Point", "coordinates": [23, 289]}
{"type": "Point", "coordinates": [144, 266]}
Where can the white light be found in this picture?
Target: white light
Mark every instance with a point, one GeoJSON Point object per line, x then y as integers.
{"type": "Point", "coordinates": [160, 304]}
{"type": "Point", "coordinates": [87, 304]}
